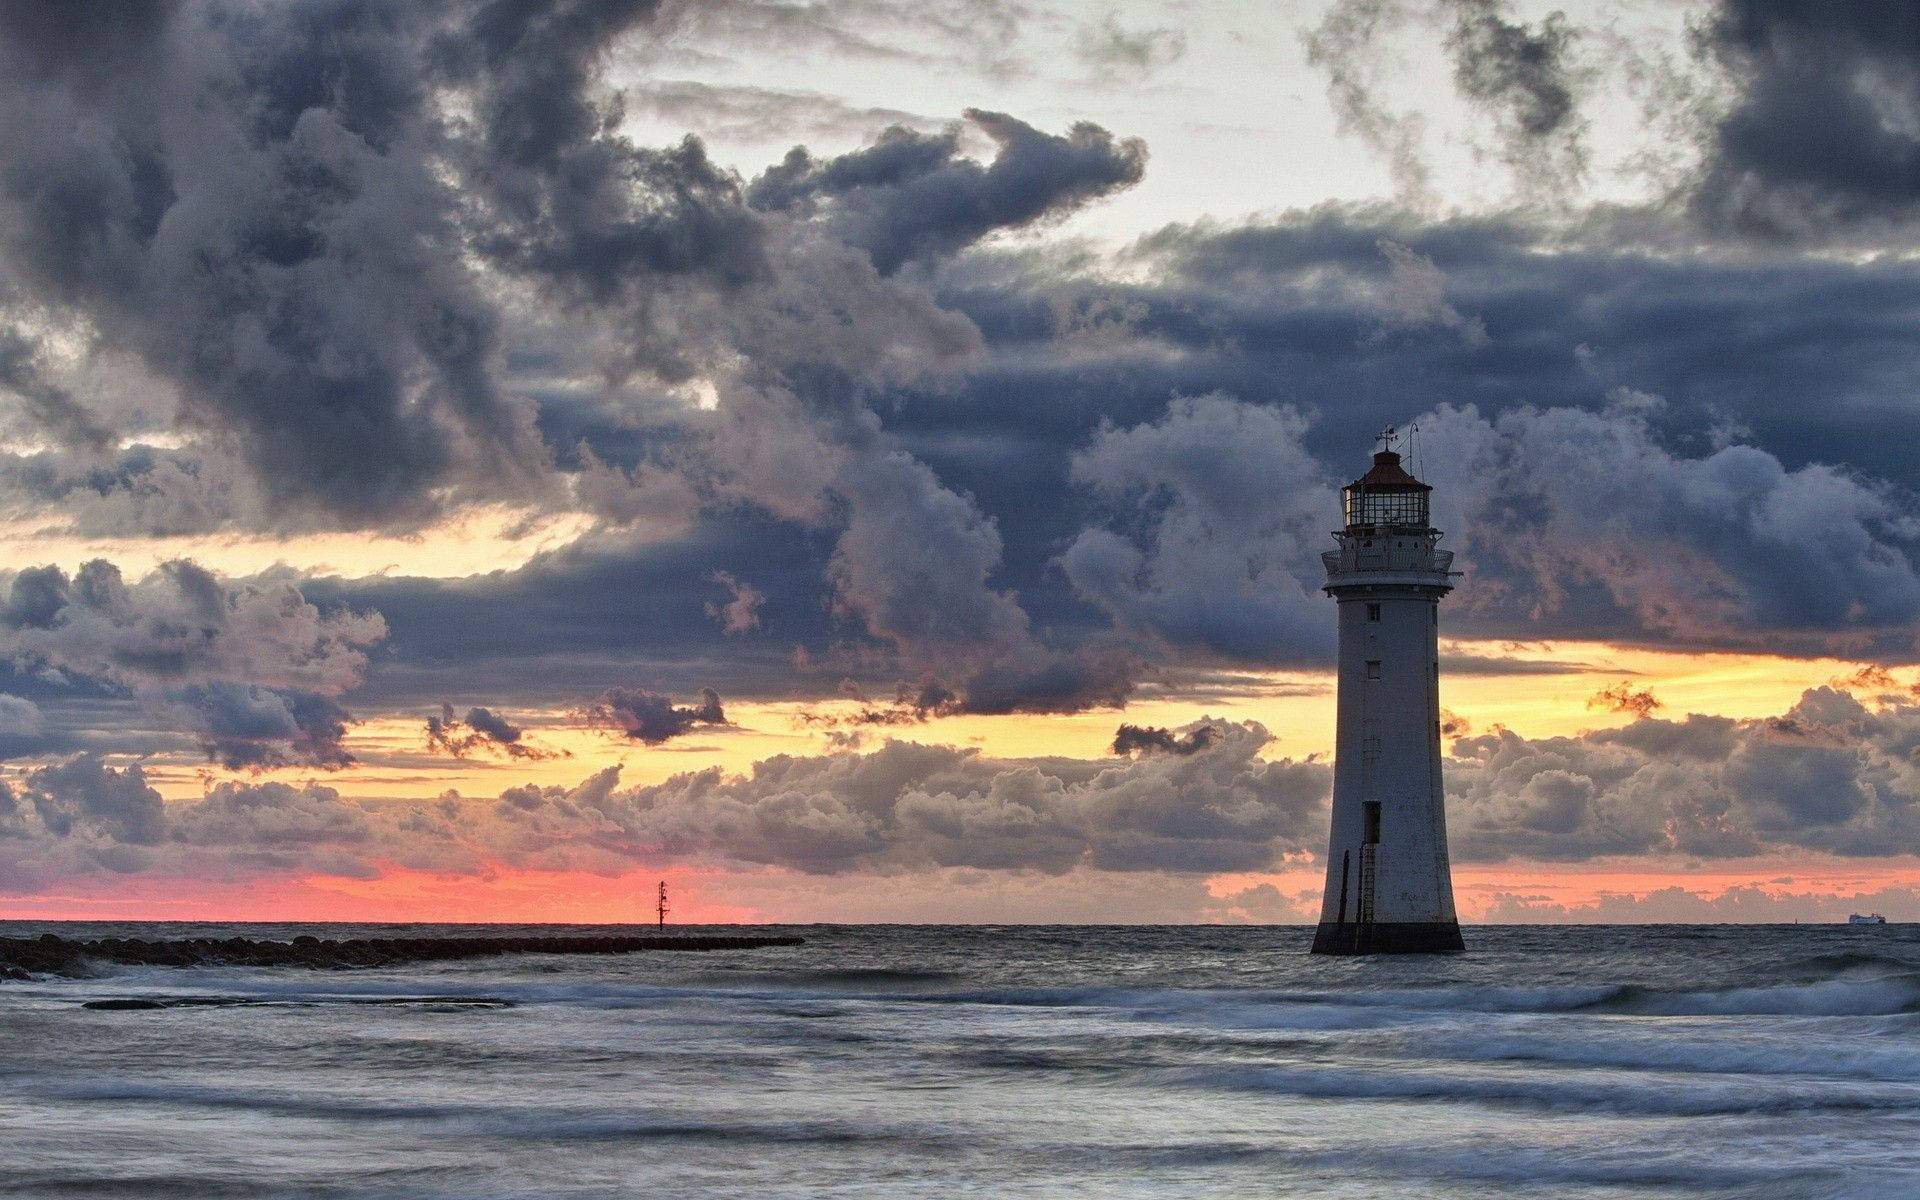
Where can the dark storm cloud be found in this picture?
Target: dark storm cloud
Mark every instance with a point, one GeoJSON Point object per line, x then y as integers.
{"type": "Point", "coordinates": [481, 729]}
{"type": "Point", "coordinates": [247, 727]}
{"type": "Point", "coordinates": [562, 626]}
{"type": "Point", "coordinates": [280, 250]}
{"type": "Point", "coordinates": [572, 201]}
{"type": "Point", "coordinates": [1130, 740]}
{"type": "Point", "coordinates": [1522, 73]}
{"type": "Point", "coordinates": [295, 254]}
{"type": "Point", "coordinates": [999, 524]}
{"type": "Point", "coordinates": [1602, 364]}
{"type": "Point", "coordinates": [914, 196]}
{"type": "Point", "coordinates": [1823, 130]}
{"type": "Point", "coordinates": [652, 718]}
{"type": "Point", "coordinates": [273, 209]}
{"type": "Point", "coordinates": [1829, 774]}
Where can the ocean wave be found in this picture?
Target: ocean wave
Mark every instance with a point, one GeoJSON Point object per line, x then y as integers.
{"type": "Point", "coordinates": [426, 1003]}
{"type": "Point", "coordinates": [517, 1124]}
{"type": "Point", "coordinates": [863, 978]}
{"type": "Point", "coordinates": [1636, 1095]}
{"type": "Point", "coordinates": [1561, 1046]}
{"type": "Point", "coordinates": [1847, 997]}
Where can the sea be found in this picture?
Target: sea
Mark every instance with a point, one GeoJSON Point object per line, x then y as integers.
{"type": "Point", "coordinates": [914, 1061]}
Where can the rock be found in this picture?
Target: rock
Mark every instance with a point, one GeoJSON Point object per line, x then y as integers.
{"type": "Point", "coordinates": [51, 954]}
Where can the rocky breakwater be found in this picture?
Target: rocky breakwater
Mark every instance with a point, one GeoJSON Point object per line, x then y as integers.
{"type": "Point", "coordinates": [50, 954]}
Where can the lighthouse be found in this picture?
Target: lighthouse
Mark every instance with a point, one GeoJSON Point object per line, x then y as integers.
{"type": "Point", "coordinates": [1389, 885]}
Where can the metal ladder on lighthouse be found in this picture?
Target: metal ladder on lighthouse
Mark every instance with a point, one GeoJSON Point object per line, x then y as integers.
{"type": "Point", "coordinates": [1364, 917]}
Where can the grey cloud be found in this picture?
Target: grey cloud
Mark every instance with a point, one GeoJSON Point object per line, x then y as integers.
{"type": "Point", "coordinates": [182, 625]}
{"type": "Point", "coordinates": [1129, 740]}
{"type": "Point", "coordinates": [740, 113]}
{"type": "Point", "coordinates": [1416, 295]}
{"type": "Point", "coordinates": [1715, 548]}
{"type": "Point", "coordinates": [1829, 774]}
{"type": "Point", "coordinates": [480, 729]}
{"type": "Point", "coordinates": [897, 809]}
{"type": "Point", "coordinates": [1522, 73]}
{"type": "Point", "coordinates": [248, 727]}
{"type": "Point", "coordinates": [49, 407]}
{"type": "Point", "coordinates": [277, 212]}
{"type": "Point", "coordinates": [83, 812]}
{"type": "Point", "coordinates": [912, 196]}
{"type": "Point", "coordinates": [1680, 905]}
{"type": "Point", "coordinates": [1823, 131]}
{"type": "Point", "coordinates": [1344, 45]}
{"type": "Point", "coordinates": [1480, 664]}
{"type": "Point", "coordinates": [1813, 355]}
{"type": "Point", "coordinates": [980, 35]}
{"type": "Point", "coordinates": [295, 255]}
{"type": "Point", "coordinates": [909, 806]}
{"type": "Point", "coordinates": [569, 200]}
{"type": "Point", "coordinates": [281, 250]}
{"type": "Point", "coordinates": [273, 817]}
{"type": "Point", "coordinates": [1114, 52]}
{"type": "Point", "coordinates": [652, 718]}
{"type": "Point", "coordinates": [903, 807]}
{"type": "Point", "coordinates": [251, 668]}
{"type": "Point", "coordinates": [83, 797]}
{"type": "Point", "coordinates": [20, 717]}
{"type": "Point", "coordinates": [1232, 513]}
{"type": "Point", "coordinates": [741, 612]}
{"type": "Point", "coordinates": [138, 491]}
{"type": "Point", "coordinates": [915, 564]}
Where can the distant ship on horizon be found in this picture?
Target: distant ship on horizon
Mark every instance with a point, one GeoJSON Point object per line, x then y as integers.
{"type": "Point", "coordinates": [1869, 919]}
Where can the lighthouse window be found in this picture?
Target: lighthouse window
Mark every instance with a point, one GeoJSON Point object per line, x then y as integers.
{"type": "Point", "coordinates": [1373, 668]}
{"type": "Point", "coordinates": [1373, 612]}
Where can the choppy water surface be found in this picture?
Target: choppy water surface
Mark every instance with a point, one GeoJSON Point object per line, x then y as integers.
{"type": "Point", "coordinates": [903, 1061]}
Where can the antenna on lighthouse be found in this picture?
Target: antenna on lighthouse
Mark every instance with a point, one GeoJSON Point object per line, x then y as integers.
{"type": "Point", "coordinates": [1413, 457]}
{"type": "Point", "coordinates": [662, 906]}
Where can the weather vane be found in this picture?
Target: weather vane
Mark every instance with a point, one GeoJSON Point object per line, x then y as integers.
{"type": "Point", "coordinates": [1386, 437]}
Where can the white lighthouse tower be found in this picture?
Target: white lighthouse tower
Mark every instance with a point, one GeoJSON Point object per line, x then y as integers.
{"type": "Point", "coordinates": [1389, 886]}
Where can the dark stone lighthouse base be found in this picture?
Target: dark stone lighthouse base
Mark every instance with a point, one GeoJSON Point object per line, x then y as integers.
{"type": "Point", "coordinates": [1388, 937]}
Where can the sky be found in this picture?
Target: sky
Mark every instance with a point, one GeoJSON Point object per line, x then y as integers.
{"type": "Point", "coordinates": [859, 460]}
